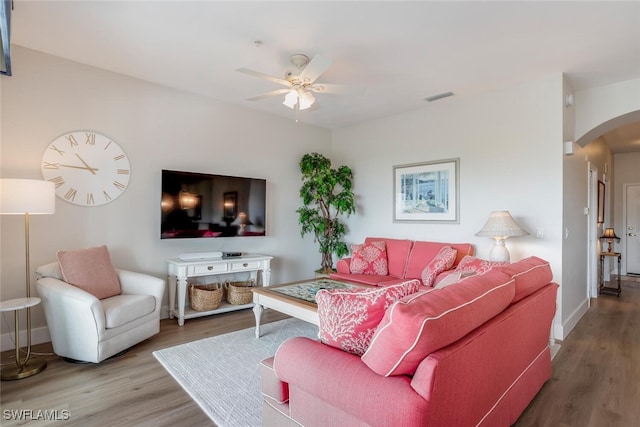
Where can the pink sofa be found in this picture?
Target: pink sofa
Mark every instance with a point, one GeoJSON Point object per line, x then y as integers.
{"type": "Point", "coordinates": [406, 260]}
{"type": "Point", "coordinates": [480, 356]}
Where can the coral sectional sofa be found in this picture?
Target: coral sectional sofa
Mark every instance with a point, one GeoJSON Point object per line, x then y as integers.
{"type": "Point", "coordinates": [474, 353]}
{"type": "Point", "coordinates": [406, 260]}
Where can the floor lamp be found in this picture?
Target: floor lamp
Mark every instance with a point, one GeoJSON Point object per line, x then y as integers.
{"type": "Point", "coordinates": [25, 197]}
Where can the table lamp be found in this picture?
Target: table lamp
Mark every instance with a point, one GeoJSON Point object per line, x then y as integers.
{"type": "Point", "coordinates": [242, 220]}
{"type": "Point", "coordinates": [26, 197]}
{"type": "Point", "coordinates": [609, 234]}
{"type": "Point", "coordinates": [500, 226]}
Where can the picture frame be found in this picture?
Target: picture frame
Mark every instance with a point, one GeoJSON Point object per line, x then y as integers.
{"type": "Point", "coordinates": [601, 190]}
{"type": "Point", "coordinates": [427, 192]}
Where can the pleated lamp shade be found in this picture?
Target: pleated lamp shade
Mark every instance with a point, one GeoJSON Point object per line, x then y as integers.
{"type": "Point", "coordinates": [501, 226]}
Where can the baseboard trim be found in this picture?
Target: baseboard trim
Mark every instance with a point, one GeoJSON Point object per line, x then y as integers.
{"type": "Point", "coordinates": [555, 348]}
{"type": "Point", "coordinates": [38, 336]}
{"type": "Point", "coordinates": [572, 320]}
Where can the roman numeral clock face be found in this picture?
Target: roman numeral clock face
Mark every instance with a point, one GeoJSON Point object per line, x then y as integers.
{"type": "Point", "coordinates": [87, 168]}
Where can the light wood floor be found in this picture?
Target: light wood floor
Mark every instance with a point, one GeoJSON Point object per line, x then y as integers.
{"type": "Point", "coordinates": [596, 373]}
{"type": "Point", "coordinates": [596, 376]}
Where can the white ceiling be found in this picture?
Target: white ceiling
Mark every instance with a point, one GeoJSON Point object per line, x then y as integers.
{"type": "Point", "coordinates": [400, 52]}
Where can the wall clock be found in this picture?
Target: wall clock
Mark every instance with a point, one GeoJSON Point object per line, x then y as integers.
{"type": "Point", "coordinates": [87, 168]}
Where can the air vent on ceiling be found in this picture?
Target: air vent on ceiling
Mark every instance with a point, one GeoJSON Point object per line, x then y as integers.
{"type": "Point", "coordinates": [438, 96]}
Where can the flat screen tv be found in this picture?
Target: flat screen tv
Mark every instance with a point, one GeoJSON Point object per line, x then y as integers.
{"type": "Point", "coordinates": [201, 205]}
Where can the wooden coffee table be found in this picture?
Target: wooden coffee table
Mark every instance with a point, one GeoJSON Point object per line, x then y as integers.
{"type": "Point", "coordinates": [297, 299]}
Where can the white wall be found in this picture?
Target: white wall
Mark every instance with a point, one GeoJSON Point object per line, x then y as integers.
{"type": "Point", "coordinates": [158, 128]}
{"type": "Point", "coordinates": [597, 110]}
{"type": "Point", "coordinates": [509, 142]}
{"type": "Point", "coordinates": [604, 108]}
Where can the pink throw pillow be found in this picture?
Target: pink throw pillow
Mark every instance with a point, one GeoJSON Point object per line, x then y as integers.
{"type": "Point", "coordinates": [369, 258]}
{"type": "Point", "coordinates": [424, 322]}
{"type": "Point", "coordinates": [441, 262]}
{"type": "Point", "coordinates": [90, 270]}
{"type": "Point", "coordinates": [477, 265]}
{"type": "Point", "coordinates": [349, 317]}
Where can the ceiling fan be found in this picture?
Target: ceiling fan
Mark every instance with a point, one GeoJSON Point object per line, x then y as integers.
{"type": "Point", "coordinates": [301, 83]}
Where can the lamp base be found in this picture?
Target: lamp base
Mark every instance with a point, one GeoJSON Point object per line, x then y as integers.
{"type": "Point", "coordinates": [499, 252]}
{"type": "Point", "coordinates": [15, 372]}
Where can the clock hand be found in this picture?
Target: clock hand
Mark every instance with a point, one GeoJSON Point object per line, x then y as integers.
{"type": "Point", "coordinates": [89, 168]}
{"type": "Point", "coordinates": [79, 167]}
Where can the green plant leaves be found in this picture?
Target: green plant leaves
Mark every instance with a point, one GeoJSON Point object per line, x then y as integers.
{"type": "Point", "coordinates": [327, 196]}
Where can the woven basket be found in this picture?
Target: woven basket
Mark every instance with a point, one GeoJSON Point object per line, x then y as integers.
{"type": "Point", "coordinates": [239, 293]}
{"type": "Point", "coordinates": [205, 297]}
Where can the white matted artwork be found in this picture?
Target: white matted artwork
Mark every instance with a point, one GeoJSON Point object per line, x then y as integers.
{"type": "Point", "coordinates": [426, 192]}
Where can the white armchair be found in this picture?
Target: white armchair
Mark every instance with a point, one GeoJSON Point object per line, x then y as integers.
{"type": "Point", "coordinates": [84, 328]}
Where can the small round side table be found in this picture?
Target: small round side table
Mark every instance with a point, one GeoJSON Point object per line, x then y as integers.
{"type": "Point", "coordinates": [28, 366]}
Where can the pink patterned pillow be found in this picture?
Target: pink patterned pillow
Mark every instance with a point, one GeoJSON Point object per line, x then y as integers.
{"type": "Point", "coordinates": [349, 317]}
{"type": "Point", "coordinates": [477, 265]}
{"type": "Point", "coordinates": [441, 262]}
{"type": "Point", "coordinates": [369, 258]}
{"type": "Point", "coordinates": [90, 270]}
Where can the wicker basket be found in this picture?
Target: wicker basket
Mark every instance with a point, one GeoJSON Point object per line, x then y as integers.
{"type": "Point", "coordinates": [239, 293]}
{"type": "Point", "coordinates": [205, 297]}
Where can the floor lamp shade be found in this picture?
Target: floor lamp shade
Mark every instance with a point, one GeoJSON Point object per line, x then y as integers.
{"type": "Point", "coordinates": [25, 197]}
{"type": "Point", "coordinates": [21, 196]}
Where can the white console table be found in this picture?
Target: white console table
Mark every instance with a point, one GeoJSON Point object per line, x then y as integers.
{"type": "Point", "coordinates": [180, 270]}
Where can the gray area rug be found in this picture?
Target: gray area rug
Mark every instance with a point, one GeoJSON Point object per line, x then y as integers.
{"type": "Point", "coordinates": [222, 373]}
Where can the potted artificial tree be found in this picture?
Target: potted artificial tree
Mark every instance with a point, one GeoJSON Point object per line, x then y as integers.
{"type": "Point", "coordinates": [327, 197]}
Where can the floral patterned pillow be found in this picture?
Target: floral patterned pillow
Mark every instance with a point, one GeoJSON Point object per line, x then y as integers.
{"type": "Point", "coordinates": [349, 317]}
{"type": "Point", "coordinates": [369, 258]}
{"type": "Point", "coordinates": [477, 265]}
{"type": "Point", "coordinates": [441, 262]}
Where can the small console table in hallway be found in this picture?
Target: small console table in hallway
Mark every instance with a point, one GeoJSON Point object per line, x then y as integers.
{"type": "Point", "coordinates": [608, 289]}
{"type": "Point", "coordinates": [180, 271]}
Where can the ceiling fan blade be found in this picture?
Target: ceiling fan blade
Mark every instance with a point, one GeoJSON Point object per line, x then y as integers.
{"type": "Point", "coordinates": [268, 94]}
{"type": "Point", "coordinates": [263, 76]}
{"type": "Point", "coordinates": [318, 65]}
{"type": "Point", "coordinates": [337, 89]}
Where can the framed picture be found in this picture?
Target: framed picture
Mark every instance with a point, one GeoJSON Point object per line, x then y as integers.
{"type": "Point", "coordinates": [600, 202]}
{"type": "Point", "coordinates": [426, 192]}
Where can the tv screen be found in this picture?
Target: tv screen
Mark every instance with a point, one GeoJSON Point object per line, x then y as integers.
{"type": "Point", "coordinates": [200, 205]}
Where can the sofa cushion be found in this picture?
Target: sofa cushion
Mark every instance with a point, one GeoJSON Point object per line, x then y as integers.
{"type": "Point", "coordinates": [397, 254]}
{"type": "Point", "coordinates": [122, 309]}
{"type": "Point", "coordinates": [441, 262]}
{"type": "Point", "coordinates": [348, 317]}
{"type": "Point", "coordinates": [530, 274]}
{"type": "Point", "coordinates": [420, 324]}
{"type": "Point", "coordinates": [452, 278]}
{"type": "Point", "coordinates": [50, 270]}
{"type": "Point", "coordinates": [90, 270]}
{"type": "Point", "coordinates": [477, 265]}
{"type": "Point", "coordinates": [367, 279]}
{"type": "Point", "coordinates": [369, 258]}
{"type": "Point", "coordinates": [423, 252]}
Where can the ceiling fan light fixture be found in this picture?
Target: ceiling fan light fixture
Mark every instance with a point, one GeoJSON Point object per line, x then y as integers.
{"type": "Point", "coordinates": [291, 99]}
{"type": "Point", "coordinates": [306, 100]}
